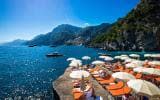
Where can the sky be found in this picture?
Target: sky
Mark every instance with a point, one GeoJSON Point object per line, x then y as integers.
{"type": "Point", "coordinates": [24, 19]}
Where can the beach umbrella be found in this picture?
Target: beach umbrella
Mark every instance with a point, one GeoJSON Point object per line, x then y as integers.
{"type": "Point", "coordinates": [138, 63]}
{"type": "Point", "coordinates": [128, 60]}
{"type": "Point", "coordinates": [144, 87]}
{"type": "Point", "coordinates": [86, 58]}
{"type": "Point", "coordinates": [70, 59]}
{"type": "Point", "coordinates": [79, 74]}
{"type": "Point", "coordinates": [123, 76]}
{"type": "Point", "coordinates": [117, 57]}
{"type": "Point", "coordinates": [124, 55]}
{"type": "Point", "coordinates": [98, 62]}
{"type": "Point", "coordinates": [154, 63]}
{"type": "Point", "coordinates": [76, 60]}
{"type": "Point", "coordinates": [147, 55]}
{"type": "Point", "coordinates": [155, 55]}
{"type": "Point", "coordinates": [153, 71]}
{"type": "Point", "coordinates": [138, 69]}
{"type": "Point", "coordinates": [108, 58]}
{"type": "Point", "coordinates": [102, 57]}
{"type": "Point", "coordinates": [131, 65]}
{"type": "Point", "coordinates": [124, 58]}
{"type": "Point", "coordinates": [76, 63]}
{"type": "Point", "coordinates": [134, 55]}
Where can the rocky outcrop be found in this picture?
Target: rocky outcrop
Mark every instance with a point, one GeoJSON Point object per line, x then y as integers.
{"type": "Point", "coordinates": [63, 87]}
{"type": "Point", "coordinates": [139, 30]}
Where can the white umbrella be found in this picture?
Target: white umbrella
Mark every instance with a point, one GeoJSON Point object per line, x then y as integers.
{"type": "Point", "coordinates": [128, 60]}
{"type": "Point", "coordinates": [138, 69]}
{"type": "Point", "coordinates": [151, 71]}
{"type": "Point", "coordinates": [117, 57]}
{"type": "Point", "coordinates": [70, 59]}
{"type": "Point", "coordinates": [138, 63]}
{"type": "Point", "coordinates": [98, 62]}
{"type": "Point", "coordinates": [124, 55]}
{"type": "Point", "coordinates": [144, 87]}
{"type": "Point", "coordinates": [147, 55]}
{"type": "Point", "coordinates": [134, 55]}
{"type": "Point", "coordinates": [86, 58]}
{"type": "Point", "coordinates": [155, 55]}
{"type": "Point", "coordinates": [154, 63]}
{"type": "Point", "coordinates": [76, 60]}
{"type": "Point", "coordinates": [108, 58]}
{"type": "Point", "coordinates": [131, 65]}
{"type": "Point", "coordinates": [79, 74]}
{"type": "Point", "coordinates": [124, 58]}
{"type": "Point", "coordinates": [76, 63]}
{"type": "Point", "coordinates": [123, 75]}
{"type": "Point", "coordinates": [102, 57]}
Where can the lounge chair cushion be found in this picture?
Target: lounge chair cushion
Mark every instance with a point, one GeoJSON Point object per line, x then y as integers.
{"type": "Point", "coordinates": [119, 85]}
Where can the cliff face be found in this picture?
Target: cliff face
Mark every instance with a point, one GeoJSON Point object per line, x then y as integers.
{"type": "Point", "coordinates": [139, 30]}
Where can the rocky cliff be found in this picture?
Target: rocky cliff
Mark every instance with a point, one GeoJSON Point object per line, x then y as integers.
{"type": "Point", "coordinates": [138, 30]}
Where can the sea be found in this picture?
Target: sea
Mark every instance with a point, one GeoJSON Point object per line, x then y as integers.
{"type": "Point", "coordinates": [26, 73]}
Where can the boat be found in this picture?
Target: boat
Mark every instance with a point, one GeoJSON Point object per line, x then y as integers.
{"type": "Point", "coordinates": [53, 46]}
{"type": "Point", "coordinates": [55, 54]}
{"type": "Point", "coordinates": [32, 45]}
{"type": "Point", "coordinates": [104, 54]}
{"type": "Point", "coordinates": [80, 44]}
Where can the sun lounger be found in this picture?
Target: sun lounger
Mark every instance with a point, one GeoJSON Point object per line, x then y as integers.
{"type": "Point", "coordinates": [107, 81]}
{"type": "Point", "coordinates": [120, 69]}
{"type": "Point", "coordinates": [122, 91]}
{"type": "Point", "coordinates": [127, 70]}
{"type": "Point", "coordinates": [101, 79]}
{"type": "Point", "coordinates": [119, 85]}
{"type": "Point", "coordinates": [157, 67]}
{"type": "Point", "coordinates": [78, 95]}
{"type": "Point", "coordinates": [96, 76]}
{"type": "Point", "coordinates": [94, 69]}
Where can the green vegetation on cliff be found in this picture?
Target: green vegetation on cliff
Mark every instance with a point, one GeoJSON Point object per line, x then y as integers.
{"type": "Point", "coordinates": [139, 29]}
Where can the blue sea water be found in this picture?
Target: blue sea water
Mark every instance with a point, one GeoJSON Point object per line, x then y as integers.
{"type": "Point", "coordinates": [26, 71]}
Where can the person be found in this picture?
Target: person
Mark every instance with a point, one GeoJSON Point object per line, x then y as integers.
{"type": "Point", "coordinates": [145, 98]}
{"type": "Point", "coordinates": [102, 73]}
{"type": "Point", "coordinates": [76, 83]}
{"type": "Point", "coordinates": [125, 97]}
{"type": "Point", "coordinates": [131, 97]}
{"type": "Point", "coordinates": [89, 92]}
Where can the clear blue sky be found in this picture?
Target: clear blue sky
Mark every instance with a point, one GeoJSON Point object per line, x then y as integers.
{"type": "Point", "coordinates": [25, 19]}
